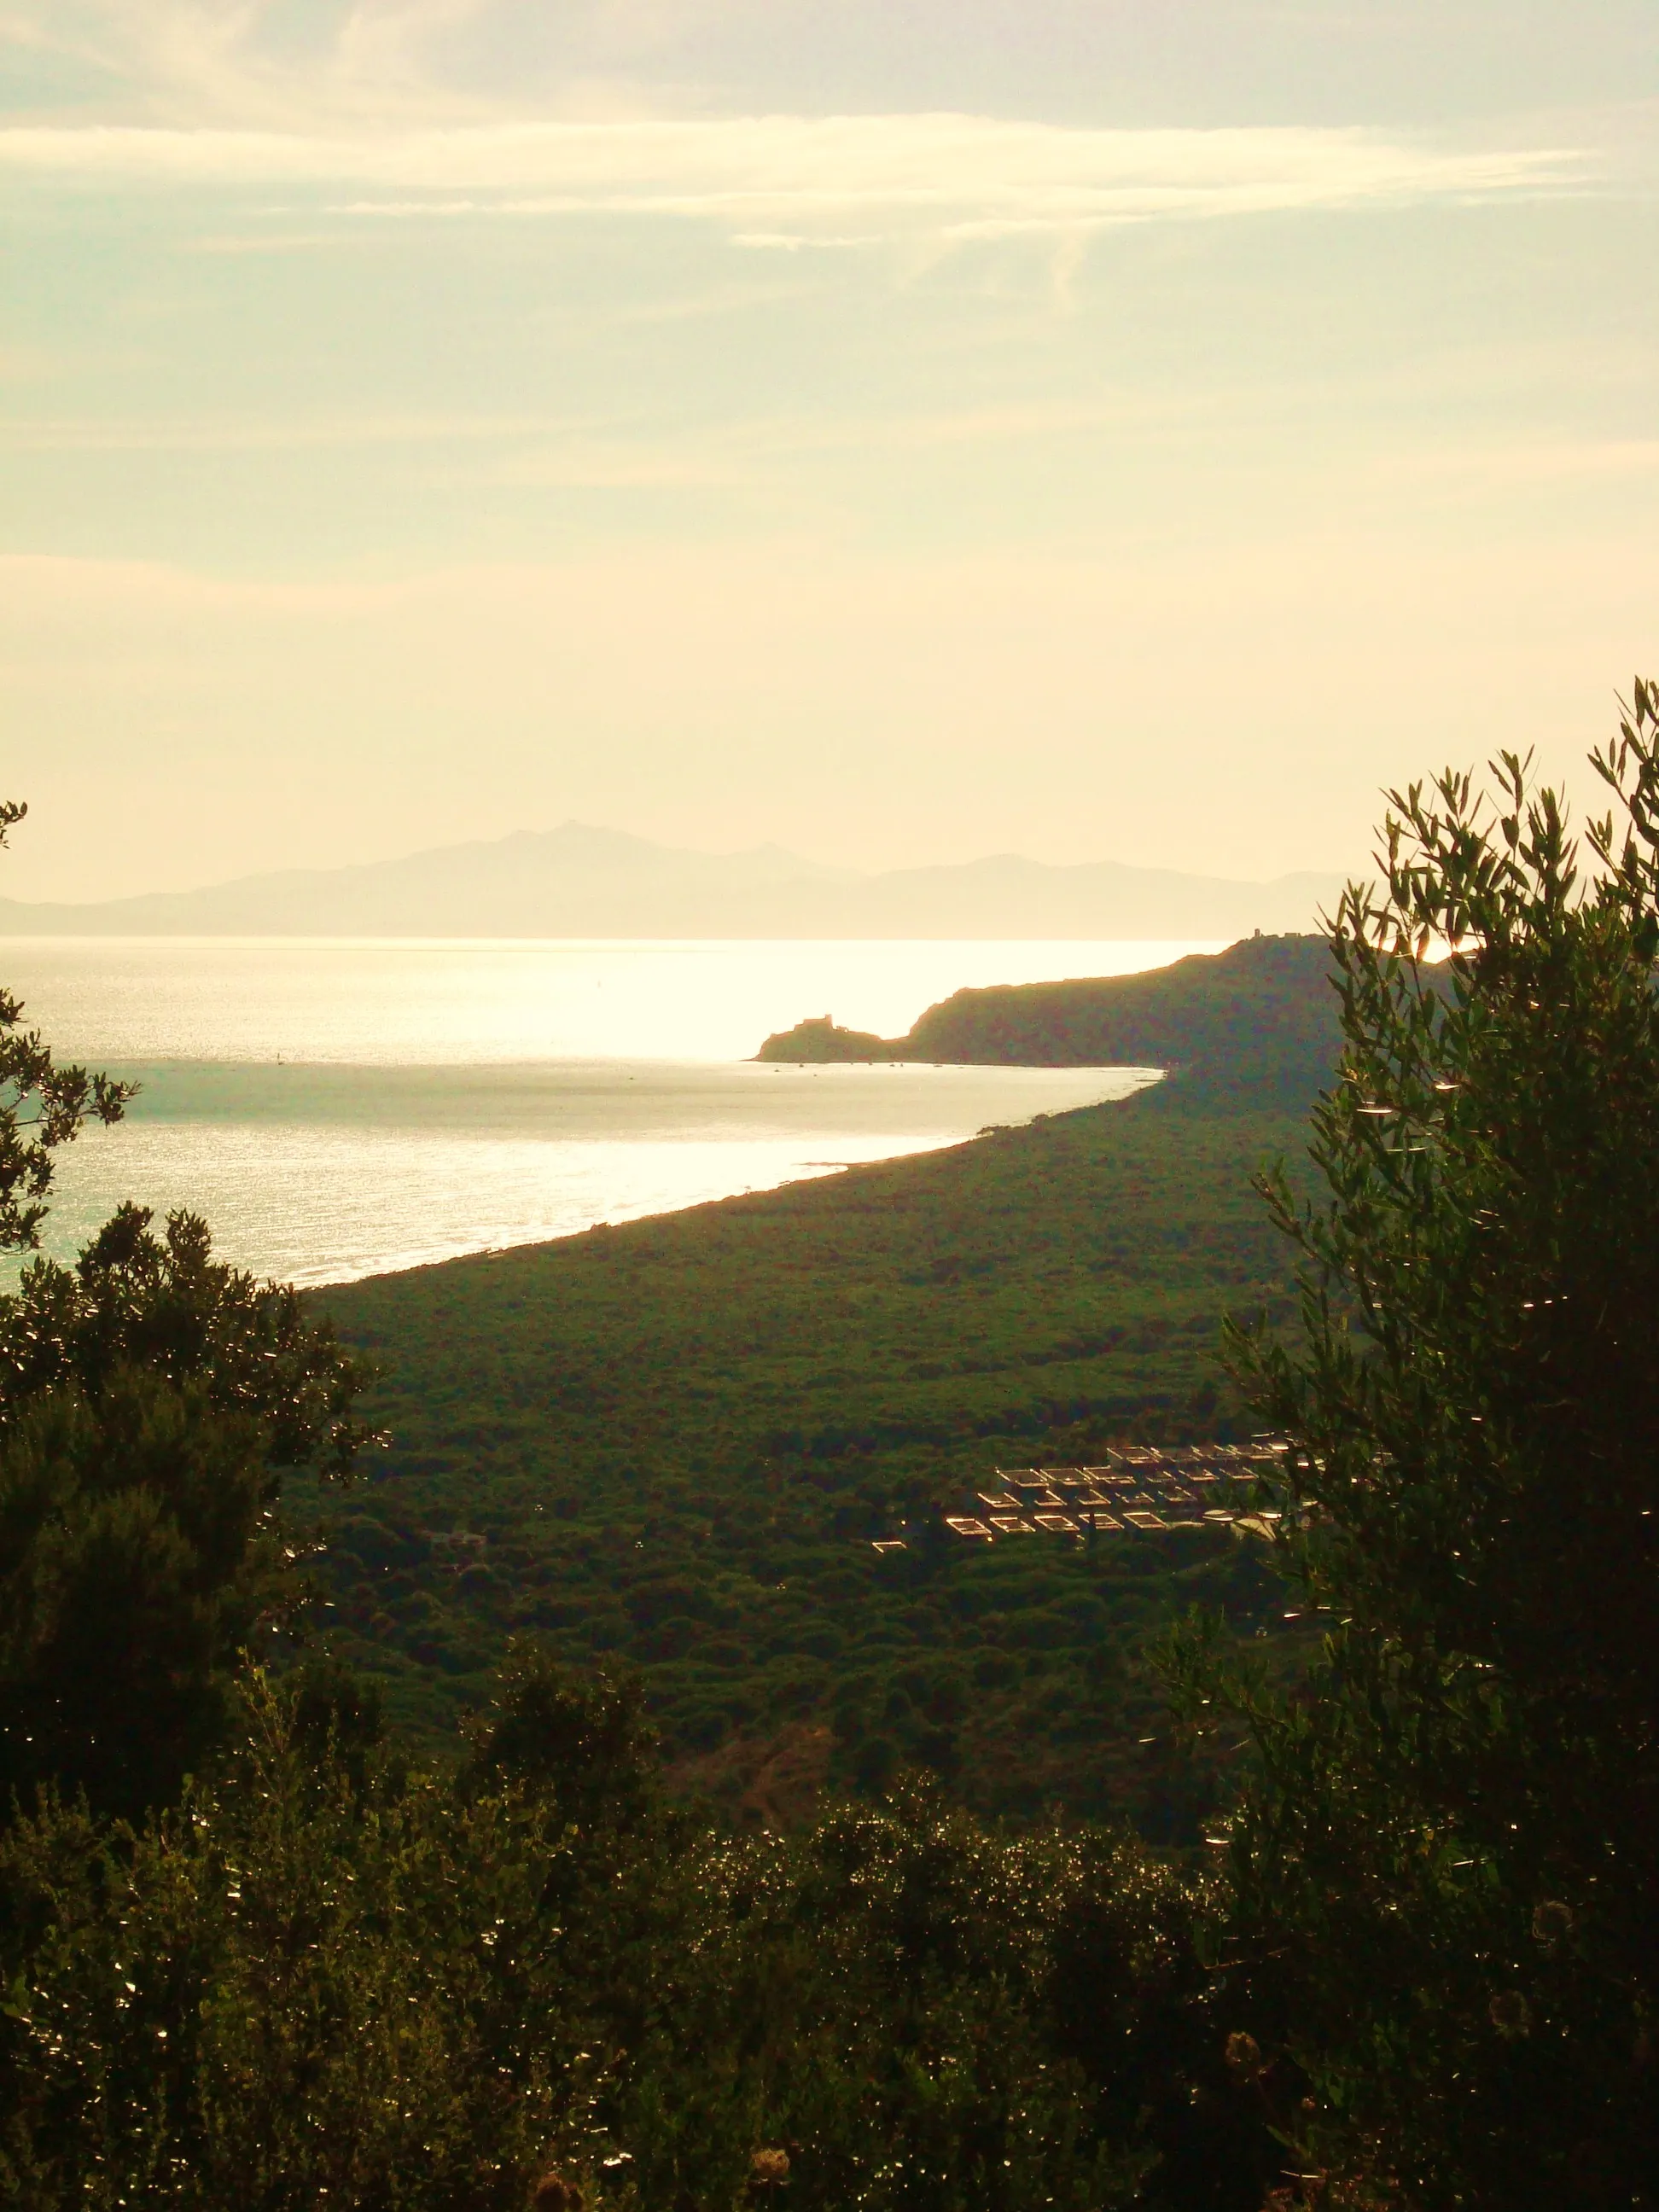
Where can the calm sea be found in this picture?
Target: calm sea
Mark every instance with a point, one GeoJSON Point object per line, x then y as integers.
{"type": "Point", "coordinates": [340, 1108]}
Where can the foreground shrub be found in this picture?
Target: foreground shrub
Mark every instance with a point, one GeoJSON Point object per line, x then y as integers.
{"type": "Point", "coordinates": [151, 1401]}
{"type": "Point", "coordinates": [287, 1991]}
{"type": "Point", "coordinates": [1447, 1877]}
{"type": "Point", "coordinates": [323, 1979]}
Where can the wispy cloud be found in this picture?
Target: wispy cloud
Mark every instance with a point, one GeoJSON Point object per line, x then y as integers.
{"type": "Point", "coordinates": [248, 63]}
{"type": "Point", "coordinates": [266, 434]}
{"type": "Point", "coordinates": [793, 178]}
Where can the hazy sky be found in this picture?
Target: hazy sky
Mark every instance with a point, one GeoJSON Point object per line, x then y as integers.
{"type": "Point", "coordinates": [903, 429]}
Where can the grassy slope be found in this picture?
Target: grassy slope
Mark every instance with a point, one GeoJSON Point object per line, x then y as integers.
{"type": "Point", "coordinates": [678, 1437]}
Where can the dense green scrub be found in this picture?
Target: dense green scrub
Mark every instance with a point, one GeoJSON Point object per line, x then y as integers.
{"type": "Point", "coordinates": [672, 1443]}
{"type": "Point", "coordinates": [326, 1977]}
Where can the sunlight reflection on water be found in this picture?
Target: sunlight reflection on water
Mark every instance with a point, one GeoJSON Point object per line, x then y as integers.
{"type": "Point", "coordinates": [460, 1098]}
{"type": "Point", "coordinates": [419, 1003]}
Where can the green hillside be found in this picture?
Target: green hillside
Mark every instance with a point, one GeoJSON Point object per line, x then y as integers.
{"type": "Point", "coordinates": [672, 1443]}
{"type": "Point", "coordinates": [1259, 1020]}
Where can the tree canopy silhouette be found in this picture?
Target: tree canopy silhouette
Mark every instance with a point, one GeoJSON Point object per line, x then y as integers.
{"type": "Point", "coordinates": [150, 1398]}
{"type": "Point", "coordinates": [1447, 1873]}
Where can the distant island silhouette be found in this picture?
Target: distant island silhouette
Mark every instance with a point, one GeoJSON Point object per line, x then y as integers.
{"type": "Point", "coordinates": [582, 882]}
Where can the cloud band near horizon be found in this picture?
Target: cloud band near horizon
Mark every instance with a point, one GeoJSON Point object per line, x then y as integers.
{"type": "Point", "coordinates": [965, 174]}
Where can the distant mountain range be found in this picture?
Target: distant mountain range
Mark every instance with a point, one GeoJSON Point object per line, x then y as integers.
{"type": "Point", "coordinates": [577, 881]}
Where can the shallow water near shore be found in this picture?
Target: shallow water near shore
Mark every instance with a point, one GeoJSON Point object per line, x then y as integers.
{"type": "Point", "coordinates": [337, 1108]}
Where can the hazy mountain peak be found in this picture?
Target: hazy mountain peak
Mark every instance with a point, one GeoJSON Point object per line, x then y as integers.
{"type": "Point", "coordinates": [582, 879]}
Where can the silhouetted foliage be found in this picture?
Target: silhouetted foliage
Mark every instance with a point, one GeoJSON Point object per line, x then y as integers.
{"type": "Point", "coordinates": [584, 1742]}
{"type": "Point", "coordinates": [42, 1106]}
{"type": "Point", "coordinates": [325, 1979]}
{"type": "Point", "coordinates": [150, 1400]}
{"type": "Point", "coordinates": [301, 1986]}
{"type": "Point", "coordinates": [1448, 1872]}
